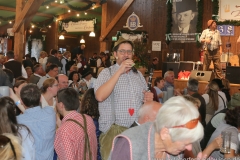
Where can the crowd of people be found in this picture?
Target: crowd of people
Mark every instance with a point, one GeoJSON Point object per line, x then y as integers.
{"type": "Point", "coordinates": [64, 111]}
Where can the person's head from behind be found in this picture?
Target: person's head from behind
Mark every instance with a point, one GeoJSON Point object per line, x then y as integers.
{"type": "Point", "coordinates": [219, 83]}
{"type": "Point", "coordinates": [74, 76]}
{"type": "Point", "coordinates": [52, 70]}
{"type": "Point", "coordinates": [148, 112]}
{"type": "Point", "coordinates": [18, 87]}
{"type": "Point", "coordinates": [226, 84]}
{"type": "Point", "coordinates": [67, 54]}
{"type": "Point", "coordinates": [159, 82]}
{"type": "Point", "coordinates": [155, 60]}
{"type": "Point", "coordinates": [185, 12]}
{"type": "Point", "coordinates": [67, 100]}
{"type": "Point", "coordinates": [30, 96]}
{"type": "Point", "coordinates": [54, 52]}
{"type": "Point", "coordinates": [9, 74]}
{"type": "Point", "coordinates": [177, 124]}
{"type": "Point", "coordinates": [29, 71]}
{"type": "Point", "coordinates": [50, 86]}
{"type": "Point", "coordinates": [8, 120]}
{"type": "Point", "coordinates": [10, 55]}
{"type": "Point", "coordinates": [73, 68]}
{"type": "Point", "coordinates": [43, 54]}
{"type": "Point", "coordinates": [169, 77]}
{"type": "Point", "coordinates": [38, 69]}
{"type": "Point", "coordinates": [62, 81]}
{"type": "Point", "coordinates": [233, 117]}
{"type": "Point", "coordinates": [10, 147]}
{"type": "Point", "coordinates": [192, 86]}
{"type": "Point", "coordinates": [89, 104]}
{"type": "Point", "coordinates": [83, 46]}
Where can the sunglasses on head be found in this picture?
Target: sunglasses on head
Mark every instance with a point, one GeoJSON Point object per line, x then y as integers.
{"type": "Point", "coordinates": [189, 125]}
{"type": "Point", "coordinates": [4, 140]}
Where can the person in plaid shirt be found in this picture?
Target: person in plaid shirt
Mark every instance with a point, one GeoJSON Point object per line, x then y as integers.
{"type": "Point", "coordinates": [76, 131]}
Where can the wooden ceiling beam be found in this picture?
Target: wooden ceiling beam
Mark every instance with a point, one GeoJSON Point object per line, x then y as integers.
{"type": "Point", "coordinates": [29, 9]}
{"type": "Point", "coordinates": [14, 10]}
{"type": "Point", "coordinates": [67, 8]}
{"type": "Point", "coordinates": [105, 31]}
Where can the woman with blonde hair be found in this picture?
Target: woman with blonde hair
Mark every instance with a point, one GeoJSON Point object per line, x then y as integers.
{"type": "Point", "coordinates": [43, 59]}
{"type": "Point", "coordinates": [49, 91]}
{"type": "Point", "coordinates": [10, 147]}
{"type": "Point", "coordinates": [212, 100]}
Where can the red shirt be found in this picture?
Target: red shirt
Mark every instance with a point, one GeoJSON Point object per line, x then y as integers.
{"type": "Point", "coordinates": [70, 139]}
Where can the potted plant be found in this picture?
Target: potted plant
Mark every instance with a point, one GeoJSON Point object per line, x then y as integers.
{"type": "Point", "coordinates": [141, 56]}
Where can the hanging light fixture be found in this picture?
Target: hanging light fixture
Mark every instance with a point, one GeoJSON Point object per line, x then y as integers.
{"type": "Point", "coordinates": [61, 37]}
{"type": "Point", "coordinates": [92, 34]}
{"type": "Point", "coordinates": [44, 29]}
{"type": "Point", "coordinates": [82, 40]}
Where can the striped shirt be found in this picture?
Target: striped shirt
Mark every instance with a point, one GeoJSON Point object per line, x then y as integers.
{"type": "Point", "coordinates": [215, 38]}
{"type": "Point", "coordinates": [70, 139]}
{"type": "Point", "coordinates": [128, 98]}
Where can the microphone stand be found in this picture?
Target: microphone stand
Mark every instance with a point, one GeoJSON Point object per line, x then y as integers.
{"type": "Point", "coordinates": [228, 46]}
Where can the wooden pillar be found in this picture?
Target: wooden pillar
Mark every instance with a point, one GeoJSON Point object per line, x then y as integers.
{"type": "Point", "coordinates": [103, 44]}
{"type": "Point", "coordinates": [25, 10]}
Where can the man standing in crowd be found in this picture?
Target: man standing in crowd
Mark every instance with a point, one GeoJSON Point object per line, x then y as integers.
{"type": "Point", "coordinates": [40, 121]}
{"type": "Point", "coordinates": [185, 14]}
{"type": "Point", "coordinates": [154, 63]}
{"type": "Point", "coordinates": [120, 92]}
{"type": "Point", "coordinates": [212, 43]}
{"type": "Point", "coordinates": [38, 73]}
{"type": "Point", "coordinates": [52, 72]}
{"type": "Point", "coordinates": [53, 58]}
{"type": "Point", "coordinates": [15, 66]}
{"type": "Point", "coordinates": [192, 88]}
{"type": "Point", "coordinates": [64, 62]}
{"type": "Point", "coordinates": [4, 80]}
{"type": "Point", "coordinates": [76, 130]}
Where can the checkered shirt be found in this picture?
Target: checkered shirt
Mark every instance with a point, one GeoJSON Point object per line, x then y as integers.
{"type": "Point", "coordinates": [70, 140]}
{"type": "Point", "coordinates": [215, 36]}
{"type": "Point", "coordinates": [127, 94]}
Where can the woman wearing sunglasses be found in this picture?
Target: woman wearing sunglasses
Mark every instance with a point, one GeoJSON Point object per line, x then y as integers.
{"type": "Point", "coordinates": [8, 124]}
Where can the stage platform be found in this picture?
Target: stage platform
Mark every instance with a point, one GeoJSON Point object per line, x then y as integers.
{"type": "Point", "coordinates": [181, 84]}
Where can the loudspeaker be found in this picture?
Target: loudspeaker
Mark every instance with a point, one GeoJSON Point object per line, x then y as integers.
{"type": "Point", "coordinates": [170, 66]}
{"type": "Point", "coordinates": [202, 75]}
{"type": "Point", "coordinates": [232, 74]}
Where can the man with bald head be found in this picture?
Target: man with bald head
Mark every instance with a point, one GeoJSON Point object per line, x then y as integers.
{"type": "Point", "coordinates": [62, 81]}
{"type": "Point", "coordinates": [147, 113]}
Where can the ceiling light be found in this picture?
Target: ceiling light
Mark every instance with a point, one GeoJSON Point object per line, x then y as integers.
{"type": "Point", "coordinates": [30, 31]}
{"type": "Point", "coordinates": [82, 40]}
{"type": "Point", "coordinates": [49, 26]}
{"type": "Point", "coordinates": [61, 37]}
{"type": "Point", "coordinates": [32, 26]}
{"type": "Point", "coordinates": [47, 7]}
{"type": "Point", "coordinates": [69, 10]}
{"type": "Point", "coordinates": [63, 31]}
{"type": "Point", "coordinates": [55, 1]}
{"type": "Point", "coordinates": [85, 13]}
{"type": "Point", "coordinates": [78, 15]}
{"type": "Point", "coordinates": [61, 2]}
{"type": "Point", "coordinates": [44, 29]}
{"type": "Point", "coordinates": [92, 34]}
{"type": "Point", "coordinates": [10, 22]}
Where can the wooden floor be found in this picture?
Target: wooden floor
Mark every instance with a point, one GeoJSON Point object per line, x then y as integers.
{"type": "Point", "coordinates": [181, 84]}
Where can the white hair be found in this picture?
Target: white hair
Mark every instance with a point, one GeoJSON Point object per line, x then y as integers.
{"type": "Point", "coordinates": [178, 111]}
{"type": "Point", "coordinates": [166, 74]}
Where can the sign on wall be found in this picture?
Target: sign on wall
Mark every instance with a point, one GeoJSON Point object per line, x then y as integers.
{"type": "Point", "coordinates": [80, 26]}
{"type": "Point", "coordinates": [226, 30]}
{"type": "Point", "coordinates": [156, 45]}
{"type": "Point", "coordinates": [133, 22]}
{"type": "Point", "coordinates": [229, 10]}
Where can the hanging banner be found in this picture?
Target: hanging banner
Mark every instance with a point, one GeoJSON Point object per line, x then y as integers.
{"type": "Point", "coordinates": [229, 10]}
{"type": "Point", "coordinates": [80, 26]}
{"type": "Point", "coordinates": [226, 30]}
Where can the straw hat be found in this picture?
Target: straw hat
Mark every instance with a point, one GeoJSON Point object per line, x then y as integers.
{"type": "Point", "coordinates": [210, 22]}
{"type": "Point", "coordinates": [120, 41]}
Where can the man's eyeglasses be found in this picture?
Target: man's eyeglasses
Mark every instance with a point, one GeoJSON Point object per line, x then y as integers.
{"type": "Point", "coordinates": [189, 125]}
{"type": "Point", "coordinates": [122, 52]}
{"type": "Point", "coordinates": [4, 140]}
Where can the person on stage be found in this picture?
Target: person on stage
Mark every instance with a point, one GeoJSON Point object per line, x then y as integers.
{"type": "Point", "coordinates": [212, 44]}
